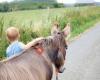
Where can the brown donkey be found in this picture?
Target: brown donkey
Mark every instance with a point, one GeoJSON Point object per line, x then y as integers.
{"type": "Point", "coordinates": [35, 63]}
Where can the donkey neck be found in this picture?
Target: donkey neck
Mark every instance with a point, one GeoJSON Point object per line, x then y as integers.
{"type": "Point", "coordinates": [47, 58]}
{"type": "Point", "coordinates": [50, 48]}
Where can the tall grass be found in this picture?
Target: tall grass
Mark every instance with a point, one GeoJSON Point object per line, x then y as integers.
{"type": "Point", "coordinates": [80, 18]}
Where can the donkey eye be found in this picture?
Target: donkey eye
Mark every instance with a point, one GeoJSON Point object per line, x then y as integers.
{"type": "Point", "coordinates": [66, 46]}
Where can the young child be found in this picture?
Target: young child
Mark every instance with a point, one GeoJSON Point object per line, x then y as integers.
{"type": "Point", "coordinates": [15, 46]}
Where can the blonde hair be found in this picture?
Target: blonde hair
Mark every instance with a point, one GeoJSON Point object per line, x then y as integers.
{"type": "Point", "coordinates": [12, 33]}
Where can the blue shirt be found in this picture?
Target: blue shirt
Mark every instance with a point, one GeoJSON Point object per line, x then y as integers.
{"type": "Point", "coordinates": [14, 48]}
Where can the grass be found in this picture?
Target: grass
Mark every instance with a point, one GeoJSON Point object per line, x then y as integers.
{"type": "Point", "coordinates": [32, 17]}
{"type": "Point", "coordinates": [35, 23]}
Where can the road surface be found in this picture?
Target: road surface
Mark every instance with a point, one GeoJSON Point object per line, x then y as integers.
{"type": "Point", "coordinates": [83, 57]}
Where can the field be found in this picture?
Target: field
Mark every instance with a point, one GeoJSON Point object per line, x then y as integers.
{"type": "Point", "coordinates": [33, 17]}
{"type": "Point", "coordinates": [35, 23]}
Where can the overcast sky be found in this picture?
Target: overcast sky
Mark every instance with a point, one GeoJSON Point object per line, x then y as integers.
{"type": "Point", "coordinates": [64, 1]}
{"type": "Point", "coordinates": [6, 0]}
{"type": "Point", "coordinates": [73, 1]}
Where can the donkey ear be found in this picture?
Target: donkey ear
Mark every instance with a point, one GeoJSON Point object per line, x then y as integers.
{"type": "Point", "coordinates": [67, 30]}
{"type": "Point", "coordinates": [55, 28]}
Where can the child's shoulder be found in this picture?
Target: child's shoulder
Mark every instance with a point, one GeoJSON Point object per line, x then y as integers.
{"type": "Point", "coordinates": [15, 45]}
{"type": "Point", "coordinates": [21, 44]}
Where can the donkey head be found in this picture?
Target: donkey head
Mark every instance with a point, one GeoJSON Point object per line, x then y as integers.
{"type": "Point", "coordinates": [59, 50]}
{"type": "Point", "coordinates": [54, 47]}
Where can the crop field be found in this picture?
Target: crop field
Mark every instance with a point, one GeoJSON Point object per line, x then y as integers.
{"type": "Point", "coordinates": [35, 23]}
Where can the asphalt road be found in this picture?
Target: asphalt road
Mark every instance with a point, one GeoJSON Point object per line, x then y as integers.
{"type": "Point", "coordinates": [83, 57]}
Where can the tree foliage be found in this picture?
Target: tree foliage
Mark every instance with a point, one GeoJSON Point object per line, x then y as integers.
{"type": "Point", "coordinates": [29, 5]}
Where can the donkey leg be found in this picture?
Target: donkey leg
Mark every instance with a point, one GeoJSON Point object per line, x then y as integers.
{"type": "Point", "coordinates": [56, 74]}
{"type": "Point", "coordinates": [56, 77]}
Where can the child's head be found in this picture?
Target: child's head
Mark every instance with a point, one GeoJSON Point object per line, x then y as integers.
{"type": "Point", "coordinates": [12, 34]}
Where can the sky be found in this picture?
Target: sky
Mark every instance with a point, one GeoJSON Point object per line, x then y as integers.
{"type": "Point", "coordinates": [60, 1]}
{"type": "Point", "coordinates": [73, 1]}
{"type": "Point", "coordinates": [66, 1]}
{"type": "Point", "coordinates": [6, 0]}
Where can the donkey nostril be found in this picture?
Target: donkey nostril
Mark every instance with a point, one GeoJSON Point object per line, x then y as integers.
{"type": "Point", "coordinates": [58, 33]}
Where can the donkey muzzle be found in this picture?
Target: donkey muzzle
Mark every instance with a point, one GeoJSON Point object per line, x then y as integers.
{"type": "Point", "coordinates": [62, 69]}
